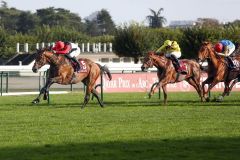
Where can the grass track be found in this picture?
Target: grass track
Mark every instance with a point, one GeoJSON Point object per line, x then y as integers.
{"type": "Point", "coordinates": [129, 127]}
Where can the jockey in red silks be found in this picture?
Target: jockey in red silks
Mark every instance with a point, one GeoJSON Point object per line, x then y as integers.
{"type": "Point", "coordinates": [225, 48]}
{"type": "Point", "coordinates": [70, 50]}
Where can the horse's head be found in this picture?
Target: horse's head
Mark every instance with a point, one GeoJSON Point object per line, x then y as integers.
{"type": "Point", "coordinates": [204, 52]}
{"type": "Point", "coordinates": [147, 61]}
{"type": "Point", "coordinates": [40, 60]}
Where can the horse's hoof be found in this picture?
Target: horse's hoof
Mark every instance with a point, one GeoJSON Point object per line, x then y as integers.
{"type": "Point", "coordinates": [35, 101]}
{"type": "Point", "coordinates": [149, 96]}
{"type": "Point", "coordinates": [207, 99]}
{"type": "Point", "coordinates": [219, 99]}
{"type": "Point", "coordinates": [45, 97]}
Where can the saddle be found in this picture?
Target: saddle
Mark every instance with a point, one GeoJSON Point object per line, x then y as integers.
{"type": "Point", "coordinates": [183, 66]}
{"type": "Point", "coordinates": [232, 63]}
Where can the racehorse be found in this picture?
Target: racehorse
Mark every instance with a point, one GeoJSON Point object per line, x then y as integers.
{"type": "Point", "coordinates": [218, 70]}
{"type": "Point", "coordinates": [167, 74]}
{"type": "Point", "coordinates": [62, 72]}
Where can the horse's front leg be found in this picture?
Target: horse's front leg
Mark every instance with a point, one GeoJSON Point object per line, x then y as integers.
{"type": "Point", "coordinates": [204, 93]}
{"type": "Point", "coordinates": [153, 90]}
{"type": "Point", "coordinates": [44, 90]}
{"type": "Point", "coordinates": [164, 88]}
{"type": "Point", "coordinates": [215, 81]}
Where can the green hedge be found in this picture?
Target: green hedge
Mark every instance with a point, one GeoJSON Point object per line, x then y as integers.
{"type": "Point", "coordinates": [135, 40]}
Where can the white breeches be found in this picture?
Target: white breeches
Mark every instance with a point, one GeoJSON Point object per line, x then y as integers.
{"type": "Point", "coordinates": [177, 54]}
{"type": "Point", "coordinates": [76, 52]}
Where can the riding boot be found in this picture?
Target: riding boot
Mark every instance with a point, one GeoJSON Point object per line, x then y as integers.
{"type": "Point", "coordinates": [230, 62]}
{"type": "Point", "coordinates": [176, 64]}
{"type": "Point", "coordinates": [75, 61]}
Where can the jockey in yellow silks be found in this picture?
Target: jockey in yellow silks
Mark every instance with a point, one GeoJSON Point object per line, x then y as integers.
{"type": "Point", "coordinates": [172, 51]}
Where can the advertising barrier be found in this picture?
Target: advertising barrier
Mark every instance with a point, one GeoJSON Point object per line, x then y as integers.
{"type": "Point", "coordinates": [142, 82]}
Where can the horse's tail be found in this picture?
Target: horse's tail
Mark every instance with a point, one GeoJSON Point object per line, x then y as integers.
{"type": "Point", "coordinates": [104, 69]}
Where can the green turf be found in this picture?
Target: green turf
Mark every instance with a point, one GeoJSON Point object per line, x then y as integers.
{"type": "Point", "coordinates": [129, 127]}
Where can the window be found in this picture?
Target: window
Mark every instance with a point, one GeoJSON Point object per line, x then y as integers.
{"type": "Point", "coordinates": [105, 60]}
{"type": "Point", "coordinates": [116, 60]}
{"type": "Point", "coordinates": [126, 59]}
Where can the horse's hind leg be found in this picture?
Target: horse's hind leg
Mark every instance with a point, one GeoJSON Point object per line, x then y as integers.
{"type": "Point", "coordinates": [86, 99]}
{"type": "Point", "coordinates": [230, 88]}
{"type": "Point", "coordinates": [95, 93]}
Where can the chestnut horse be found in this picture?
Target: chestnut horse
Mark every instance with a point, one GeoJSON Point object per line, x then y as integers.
{"type": "Point", "coordinates": [62, 72]}
{"type": "Point", "coordinates": [218, 70]}
{"type": "Point", "coordinates": [167, 74]}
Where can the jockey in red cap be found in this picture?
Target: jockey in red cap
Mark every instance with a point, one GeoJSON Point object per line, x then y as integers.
{"type": "Point", "coordinates": [225, 48]}
{"type": "Point", "coordinates": [70, 50]}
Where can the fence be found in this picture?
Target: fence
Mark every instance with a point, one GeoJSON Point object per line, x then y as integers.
{"type": "Point", "coordinates": [84, 47]}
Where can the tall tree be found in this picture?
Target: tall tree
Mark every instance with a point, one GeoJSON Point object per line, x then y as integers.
{"type": "Point", "coordinates": [105, 22]}
{"type": "Point", "coordinates": [26, 22]}
{"type": "Point", "coordinates": [58, 16]}
{"type": "Point", "coordinates": [156, 20]}
{"type": "Point", "coordinates": [100, 23]}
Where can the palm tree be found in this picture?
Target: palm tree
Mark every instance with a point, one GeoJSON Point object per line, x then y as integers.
{"type": "Point", "coordinates": [156, 20]}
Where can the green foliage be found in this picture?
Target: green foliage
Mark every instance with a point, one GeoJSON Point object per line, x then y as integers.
{"type": "Point", "coordinates": [135, 38]}
{"type": "Point", "coordinates": [131, 41]}
{"type": "Point", "coordinates": [52, 34]}
{"type": "Point", "coordinates": [100, 25]}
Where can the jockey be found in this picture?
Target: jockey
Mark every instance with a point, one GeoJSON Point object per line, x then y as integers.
{"type": "Point", "coordinates": [173, 52]}
{"type": "Point", "coordinates": [225, 48]}
{"type": "Point", "coordinates": [70, 50]}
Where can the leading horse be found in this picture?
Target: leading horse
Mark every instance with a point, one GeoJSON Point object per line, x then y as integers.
{"type": "Point", "coordinates": [167, 74]}
{"type": "Point", "coordinates": [218, 70]}
{"type": "Point", "coordinates": [62, 72]}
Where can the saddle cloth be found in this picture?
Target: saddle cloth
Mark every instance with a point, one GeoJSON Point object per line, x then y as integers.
{"type": "Point", "coordinates": [83, 66]}
{"type": "Point", "coordinates": [183, 65]}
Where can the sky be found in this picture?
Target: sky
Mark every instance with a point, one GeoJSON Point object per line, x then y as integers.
{"type": "Point", "coordinates": [125, 11]}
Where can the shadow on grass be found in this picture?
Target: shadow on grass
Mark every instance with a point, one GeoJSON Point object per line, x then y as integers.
{"type": "Point", "coordinates": [166, 149]}
{"type": "Point", "coordinates": [145, 103]}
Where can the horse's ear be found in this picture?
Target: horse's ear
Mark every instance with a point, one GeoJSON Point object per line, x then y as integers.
{"type": "Point", "coordinates": [150, 53]}
{"type": "Point", "coordinates": [205, 43]}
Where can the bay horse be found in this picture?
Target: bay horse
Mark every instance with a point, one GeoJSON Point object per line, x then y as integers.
{"type": "Point", "coordinates": [62, 72]}
{"type": "Point", "coordinates": [218, 70]}
{"type": "Point", "coordinates": [167, 74]}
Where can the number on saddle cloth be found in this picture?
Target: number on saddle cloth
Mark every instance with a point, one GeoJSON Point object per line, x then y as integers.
{"type": "Point", "coordinates": [183, 65]}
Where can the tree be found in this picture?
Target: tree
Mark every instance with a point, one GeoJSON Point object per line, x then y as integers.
{"type": "Point", "coordinates": [100, 23]}
{"type": "Point", "coordinates": [131, 41]}
{"type": "Point", "coordinates": [207, 22]}
{"type": "Point", "coordinates": [58, 16]}
{"type": "Point", "coordinates": [9, 18]}
{"type": "Point", "coordinates": [26, 22]}
{"type": "Point", "coordinates": [156, 20]}
{"type": "Point", "coordinates": [105, 22]}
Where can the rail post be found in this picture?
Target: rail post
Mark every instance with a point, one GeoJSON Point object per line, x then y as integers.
{"type": "Point", "coordinates": [7, 76]}
{"type": "Point", "coordinates": [1, 83]}
{"type": "Point", "coordinates": [101, 86]}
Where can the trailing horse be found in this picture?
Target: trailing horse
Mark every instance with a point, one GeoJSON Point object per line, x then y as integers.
{"type": "Point", "coordinates": [218, 70]}
{"type": "Point", "coordinates": [167, 74]}
{"type": "Point", "coordinates": [62, 72]}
